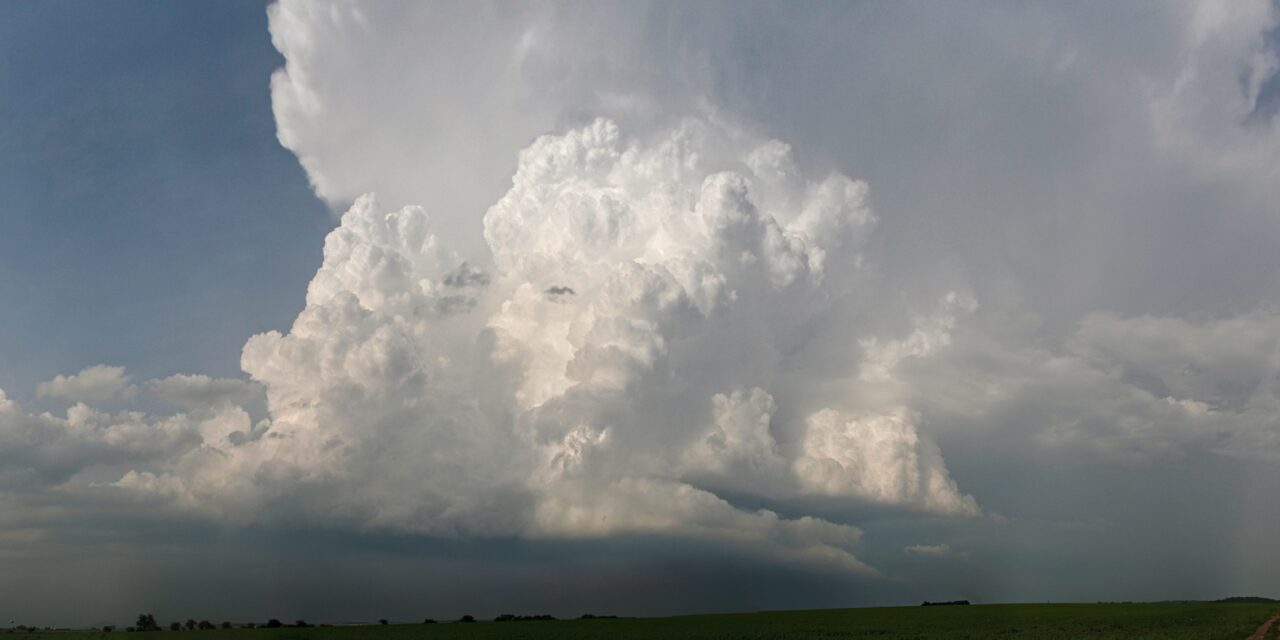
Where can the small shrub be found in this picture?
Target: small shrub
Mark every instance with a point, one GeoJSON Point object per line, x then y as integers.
{"type": "Point", "coordinates": [429, 621]}
{"type": "Point", "coordinates": [274, 624]}
{"type": "Point", "coordinates": [382, 621]}
{"type": "Point", "coordinates": [466, 619]}
{"type": "Point", "coordinates": [301, 623]}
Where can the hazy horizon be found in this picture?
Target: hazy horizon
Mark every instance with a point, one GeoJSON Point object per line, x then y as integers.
{"type": "Point", "coordinates": [345, 311]}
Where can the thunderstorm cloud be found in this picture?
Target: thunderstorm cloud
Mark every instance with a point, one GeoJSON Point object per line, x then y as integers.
{"type": "Point", "coordinates": [622, 273]}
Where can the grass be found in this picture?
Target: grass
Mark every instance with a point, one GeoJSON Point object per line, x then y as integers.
{"type": "Point", "coordinates": [1201, 621]}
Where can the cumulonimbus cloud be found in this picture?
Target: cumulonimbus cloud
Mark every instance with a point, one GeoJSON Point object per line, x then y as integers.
{"type": "Point", "coordinates": [653, 329]}
{"type": "Point", "coordinates": [701, 264]}
{"type": "Point", "coordinates": [650, 326]}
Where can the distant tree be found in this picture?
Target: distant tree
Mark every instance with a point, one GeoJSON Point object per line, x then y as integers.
{"type": "Point", "coordinates": [191, 624]}
{"type": "Point", "coordinates": [205, 625]}
{"type": "Point", "coordinates": [274, 624]}
{"type": "Point", "coordinates": [466, 619]}
{"type": "Point", "coordinates": [130, 629]}
{"type": "Point", "coordinates": [382, 621]}
{"type": "Point", "coordinates": [506, 617]}
{"type": "Point", "coordinates": [226, 625]}
{"type": "Point", "coordinates": [429, 621]}
{"type": "Point", "coordinates": [301, 623]}
{"type": "Point", "coordinates": [175, 626]}
{"type": "Point", "coordinates": [248, 625]}
{"type": "Point", "coordinates": [108, 628]}
{"type": "Point", "coordinates": [146, 622]}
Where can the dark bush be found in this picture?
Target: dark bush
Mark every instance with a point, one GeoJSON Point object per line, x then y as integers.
{"type": "Point", "coordinates": [429, 621]}
{"type": "Point", "coordinates": [383, 621]}
{"type": "Point", "coordinates": [466, 619]}
{"type": "Point", "coordinates": [130, 629]}
{"type": "Point", "coordinates": [191, 625]}
{"type": "Point", "coordinates": [301, 623]}
{"type": "Point", "coordinates": [108, 628]}
{"type": "Point", "coordinates": [273, 624]}
{"type": "Point", "coordinates": [226, 625]}
{"type": "Point", "coordinates": [205, 625]}
{"type": "Point", "coordinates": [146, 622]}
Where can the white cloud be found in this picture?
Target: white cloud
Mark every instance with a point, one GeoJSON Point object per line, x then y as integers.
{"type": "Point", "coordinates": [739, 446]}
{"type": "Point", "coordinates": [45, 450]}
{"type": "Point", "coordinates": [931, 333]}
{"type": "Point", "coordinates": [665, 321]}
{"type": "Point", "coordinates": [99, 382]}
{"type": "Point", "coordinates": [192, 391]}
{"type": "Point", "coordinates": [640, 340]}
{"type": "Point", "coordinates": [928, 550]}
{"type": "Point", "coordinates": [879, 457]}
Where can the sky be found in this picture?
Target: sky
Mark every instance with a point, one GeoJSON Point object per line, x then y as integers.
{"type": "Point", "coordinates": [344, 311]}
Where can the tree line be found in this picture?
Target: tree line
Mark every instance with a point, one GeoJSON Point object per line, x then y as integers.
{"type": "Point", "coordinates": [147, 622]}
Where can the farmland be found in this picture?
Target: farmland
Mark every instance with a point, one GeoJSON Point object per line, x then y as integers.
{"type": "Point", "coordinates": [1202, 621]}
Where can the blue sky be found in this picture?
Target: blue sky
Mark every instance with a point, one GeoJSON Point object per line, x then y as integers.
{"type": "Point", "coordinates": [150, 220]}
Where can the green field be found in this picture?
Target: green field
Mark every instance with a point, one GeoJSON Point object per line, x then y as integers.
{"type": "Point", "coordinates": [1202, 621]}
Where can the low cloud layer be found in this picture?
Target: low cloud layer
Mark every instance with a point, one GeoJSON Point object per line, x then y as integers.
{"type": "Point", "coordinates": [1138, 388]}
